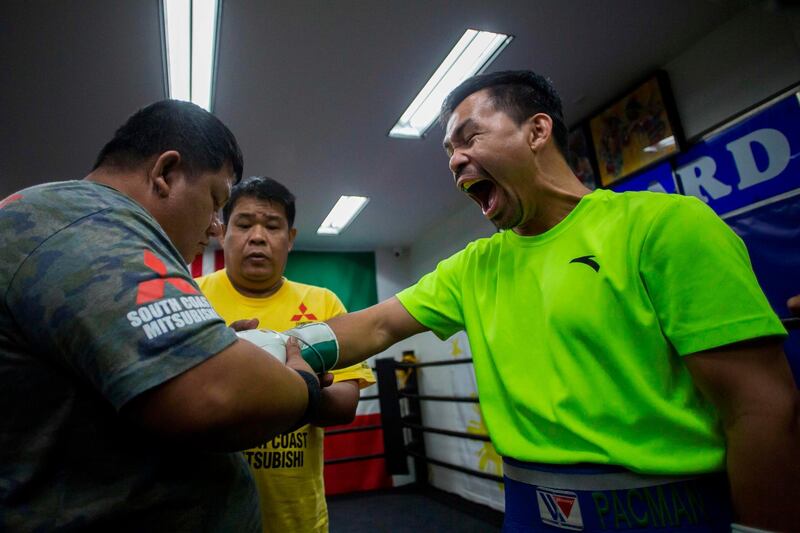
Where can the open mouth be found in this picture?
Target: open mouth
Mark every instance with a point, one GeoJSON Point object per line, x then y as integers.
{"type": "Point", "coordinates": [482, 191]}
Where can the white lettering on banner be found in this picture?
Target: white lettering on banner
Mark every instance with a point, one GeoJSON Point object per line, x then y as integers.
{"type": "Point", "coordinates": [778, 155]}
{"type": "Point", "coordinates": [656, 186]}
{"type": "Point", "coordinates": [698, 177]}
{"type": "Point", "coordinates": [700, 173]}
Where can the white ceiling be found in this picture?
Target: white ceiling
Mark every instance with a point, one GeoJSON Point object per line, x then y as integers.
{"type": "Point", "coordinates": [310, 88]}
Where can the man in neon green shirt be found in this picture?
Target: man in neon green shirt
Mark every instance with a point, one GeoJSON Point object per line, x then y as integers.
{"type": "Point", "coordinates": [622, 336]}
{"type": "Point", "coordinates": [258, 233]}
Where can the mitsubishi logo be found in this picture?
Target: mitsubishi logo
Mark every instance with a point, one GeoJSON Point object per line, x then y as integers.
{"type": "Point", "coordinates": [154, 289]}
{"type": "Point", "coordinates": [303, 314]}
{"type": "Point", "coordinates": [8, 200]}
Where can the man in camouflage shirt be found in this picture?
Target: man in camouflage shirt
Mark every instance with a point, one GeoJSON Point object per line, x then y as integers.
{"type": "Point", "coordinates": [118, 380]}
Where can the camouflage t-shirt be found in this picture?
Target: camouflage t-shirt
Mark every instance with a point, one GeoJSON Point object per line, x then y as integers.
{"type": "Point", "coordinates": [97, 307]}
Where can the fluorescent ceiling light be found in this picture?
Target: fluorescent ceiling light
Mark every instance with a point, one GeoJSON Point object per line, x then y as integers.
{"type": "Point", "coordinates": [471, 55]}
{"type": "Point", "coordinates": [342, 214]}
{"type": "Point", "coordinates": [190, 30]}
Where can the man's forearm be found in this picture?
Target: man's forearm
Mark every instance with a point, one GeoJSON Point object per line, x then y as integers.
{"type": "Point", "coordinates": [364, 333]}
{"type": "Point", "coordinates": [338, 405]}
{"type": "Point", "coordinates": [235, 400]}
{"type": "Point", "coordinates": [764, 470]}
{"type": "Point", "coordinates": [752, 387]}
{"type": "Point", "coordinates": [358, 336]}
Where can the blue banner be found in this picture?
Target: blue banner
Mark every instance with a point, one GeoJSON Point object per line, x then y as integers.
{"type": "Point", "coordinates": [657, 179]}
{"type": "Point", "coordinates": [748, 163]}
{"type": "Point", "coordinates": [772, 236]}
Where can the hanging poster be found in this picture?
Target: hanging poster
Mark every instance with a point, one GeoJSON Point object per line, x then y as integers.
{"type": "Point", "coordinates": [636, 131]}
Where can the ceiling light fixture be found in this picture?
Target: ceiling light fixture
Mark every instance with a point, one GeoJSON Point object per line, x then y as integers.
{"type": "Point", "coordinates": [190, 37]}
{"type": "Point", "coordinates": [471, 55]}
{"type": "Point", "coordinates": [342, 214]}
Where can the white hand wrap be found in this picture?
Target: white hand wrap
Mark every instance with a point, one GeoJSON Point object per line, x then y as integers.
{"type": "Point", "coordinates": [268, 340]}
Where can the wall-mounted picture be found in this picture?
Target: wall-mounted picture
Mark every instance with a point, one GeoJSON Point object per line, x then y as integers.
{"type": "Point", "coordinates": [580, 157]}
{"type": "Point", "coordinates": [636, 131]}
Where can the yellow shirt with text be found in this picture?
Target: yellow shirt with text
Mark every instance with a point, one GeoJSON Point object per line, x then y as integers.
{"type": "Point", "coordinates": [288, 468]}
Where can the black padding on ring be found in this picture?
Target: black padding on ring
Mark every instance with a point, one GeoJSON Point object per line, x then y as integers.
{"type": "Point", "coordinates": [352, 430]}
{"type": "Point", "coordinates": [466, 399]}
{"type": "Point", "coordinates": [435, 363]}
{"type": "Point", "coordinates": [791, 322]}
{"type": "Point", "coordinates": [354, 458]}
{"type": "Point", "coordinates": [448, 432]}
{"type": "Point", "coordinates": [390, 417]}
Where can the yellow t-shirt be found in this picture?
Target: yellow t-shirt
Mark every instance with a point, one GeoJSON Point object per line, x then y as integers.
{"type": "Point", "coordinates": [288, 468]}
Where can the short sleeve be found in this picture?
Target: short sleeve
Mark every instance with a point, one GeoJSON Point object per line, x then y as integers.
{"type": "Point", "coordinates": [109, 298]}
{"type": "Point", "coordinates": [334, 305]}
{"type": "Point", "coordinates": [699, 278]}
{"type": "Point", "coordinates": [435, 300]}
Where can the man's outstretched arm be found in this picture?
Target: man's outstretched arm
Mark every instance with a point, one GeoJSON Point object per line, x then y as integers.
{"type": "Point", "coordinates": [753, 389]}
{"type": "Point", "coordinates": [372, 330]}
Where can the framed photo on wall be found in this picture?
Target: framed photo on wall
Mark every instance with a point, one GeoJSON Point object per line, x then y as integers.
{"type": "Point", "coordinates": [636, 131]}
{"type": "Point", "coordinates": [580, 156]}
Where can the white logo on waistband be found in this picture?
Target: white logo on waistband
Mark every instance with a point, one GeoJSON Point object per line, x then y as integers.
{"type": "Point", "coordinates": [560, 508]}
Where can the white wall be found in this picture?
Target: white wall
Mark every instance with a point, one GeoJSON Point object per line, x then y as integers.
{"type": "Point", "coordinates": [447, 236]}
{"type": "Point", "coordinates": [393, 275]}
{"type": "Point", "coordinates": [746, 60]}
{"type": "Point", "coordinates": [749, 58]}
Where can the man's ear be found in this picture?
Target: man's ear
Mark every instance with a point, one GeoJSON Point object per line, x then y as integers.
{"type": "Point", "coordinates": [162, 172]}
{"type": "Point", "coordinates": [292, 235]}
{"type": "Point", "coordinates": [540, 129]}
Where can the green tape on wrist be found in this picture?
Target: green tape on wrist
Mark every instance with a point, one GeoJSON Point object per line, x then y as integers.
{"type": "Point", "coordinates": [318, 345]}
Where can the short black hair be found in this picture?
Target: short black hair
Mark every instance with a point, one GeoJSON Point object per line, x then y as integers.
{"type": "Point", "coordinates": [518, 93]}
{"type": "Point", "coordinates": [204, 142]}
{"type": "Point", "coordinates": [262, 188]}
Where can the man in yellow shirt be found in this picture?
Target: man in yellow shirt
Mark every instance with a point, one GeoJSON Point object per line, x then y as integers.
{"type": "Point", "coordinates": [258, 235]}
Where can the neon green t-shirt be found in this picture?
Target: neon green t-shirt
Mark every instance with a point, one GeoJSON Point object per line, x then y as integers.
{"type": "Point", "coordinates": [577, 333]}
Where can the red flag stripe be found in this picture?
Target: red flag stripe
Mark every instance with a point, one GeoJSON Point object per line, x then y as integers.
{"type": "Point", "coordinates": [219, 260]}
{"type": "Point", "coordinates": [197, 266]}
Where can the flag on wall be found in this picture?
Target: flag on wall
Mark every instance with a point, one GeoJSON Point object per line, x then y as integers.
{"type": "Point", "coordinates": [206, 263]}
{"type": "Point", "coordinates": [352, 277]}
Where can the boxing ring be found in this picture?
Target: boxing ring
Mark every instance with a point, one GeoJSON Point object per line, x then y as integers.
{"type": "Point", "coordinates": [417, 506]}
{"type": "Point", "coordinates": [397, 418]}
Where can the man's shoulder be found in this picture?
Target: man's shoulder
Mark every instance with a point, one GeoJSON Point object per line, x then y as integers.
{"type": "Point", "coordinates": [479, 247]}
{"type": "Point", "coordinates": [644, 208]}
{"type": "Point", "coordinates": [73, 220]}
{"type": "Point", "coordinates": [309, 289]}
{"type": "Point", "coordinates": [650, 201]}
{"type": "Point", "coordinates": [71, 196]}
{"type": "Point", "coordinates": [42, 210]}
{"type": "Point", "coordinates": [322, 302]}
{"type": "Point", "coordinates": [210, 280]}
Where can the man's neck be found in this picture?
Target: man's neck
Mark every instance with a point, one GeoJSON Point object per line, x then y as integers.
{"type": "Point", "coordinates": [550, 215]}
{"type": "Point", "coordinates": [558, 192]}
{"type": "Point", "coordinates": [250, 292]}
